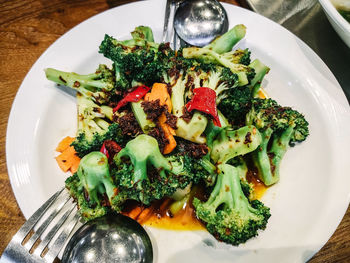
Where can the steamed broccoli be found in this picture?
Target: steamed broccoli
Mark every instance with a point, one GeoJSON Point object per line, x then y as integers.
{"type": "Point", "coordinates": [193, 129]}
{"type": "Point", "coordinates": [143, 32]}
{"type": "Point", "coordinates": [98, 86]}
{"type": "Point", "coordinates": [94, 126]}
{"type": "Point", "coordinates": [228, 214]}
{"type": "Point", "coordinates": [147, 175]}
{"type": "Point", "coordinates": [237, 102]}
{"type": "Point", "coordinates": [219, 52]}
{"type": "Point", "coordinates": [280, 127]}
{"type": "Point", "coordinates": [90, 184]}
{"type": "Point", "coordinates": [136, 60]}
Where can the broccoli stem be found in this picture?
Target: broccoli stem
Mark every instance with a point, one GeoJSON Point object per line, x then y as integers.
{"type": "Point", "coordinates": [231, 143]}
{"type": "Point", "coordinates": [93, 173]}
{"type": "Point", "coordinates": [262, 161]}
{"type": "Point", "coordinates": [225, 42]}
{"type": "Point", "coordinates": [141, 117]}
{"type": "Point", "coordinates": [260, 71]}
{"type": "Point", "coordinates": [278, 148]}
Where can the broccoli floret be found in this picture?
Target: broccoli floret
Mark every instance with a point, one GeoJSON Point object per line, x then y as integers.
{"type": "Point", "coordinates": [193, 129]}
{"type": "Point", "coordinates": [143, 32]}
{"type": "Point", "coordinates": [92, 186]}
{"type": "Point", "coordinates": [147, 173]}
{"type": "Point", "coordinates": [143, 174]}
{"type": "Point", "coordinates": [279, 127]}
{"type": "Point", "coordinates": [87, 208]}
{"type": "Point", "coordinates": [220, 79]}
{"type": "Point", "coordinates": [97, 86]}
{"type": "Point", "coordinates": [228, 214]}
{"type": "Point", "coordinates": [135, 61]}
{"type": "Point", "coordinates": [236, 105]}
{"type": "Point", "coordinates": [209, 56]}
{"type": "Point", "coordinates": [94, 127]}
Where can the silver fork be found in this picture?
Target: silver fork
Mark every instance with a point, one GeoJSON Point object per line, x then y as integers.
{"type": "Point", "coordinates": [43, 236]}
{"type": "Point", "coordinates": [169, 34]}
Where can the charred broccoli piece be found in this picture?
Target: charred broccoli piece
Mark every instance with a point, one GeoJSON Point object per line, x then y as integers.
{"type": "Point", "coordinates": [94, 126]}
{"type": "Point", "coordinates": [98, 86]}
{"type": "Point", "coordinates": [92, 186]}
{"type": "Point", "coordinates": [280, 127]}
{"type": "Point", "coordinates": [228, 214]}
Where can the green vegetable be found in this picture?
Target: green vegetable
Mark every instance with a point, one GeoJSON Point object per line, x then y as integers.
{"type": "Point", "coordinates": [94, 126]}
{"type": "Point", "coordinates": [279, 127]}
{"type": "Point", "coordinates": [231, 143]}
{"type": "Point", "coordinates": [90, 183]}
{"type": "Point", "coordinates": [225, 42]}
{"type": "Point", "coordinates": [228, 214]}
{"type": "Point", "coordinates": [97, 86]}
{"type": "Point", "coordinates": [141, 117]}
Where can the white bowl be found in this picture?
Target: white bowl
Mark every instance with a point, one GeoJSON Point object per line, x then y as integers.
{"type": "Point", "coordinates": [337, 21]}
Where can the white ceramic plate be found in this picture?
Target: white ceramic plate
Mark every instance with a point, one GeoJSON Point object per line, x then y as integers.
{"type": "Point", "coordinates": [307, 204]}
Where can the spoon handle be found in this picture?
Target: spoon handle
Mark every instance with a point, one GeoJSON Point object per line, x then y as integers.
{"type": "Point", "coordinates": [169, 34]}
{"type": "Point", "coordinates": [166, 20]}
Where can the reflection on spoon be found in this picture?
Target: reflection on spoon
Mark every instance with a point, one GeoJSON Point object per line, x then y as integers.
{"type": "Point", "coordinates": [198, 22]}
{"type": "Point", "coordinates": [111, 238]}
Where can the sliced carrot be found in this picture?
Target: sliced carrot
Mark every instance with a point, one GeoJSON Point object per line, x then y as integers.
{"type": "Point", "coordinates": [160, 92]}
{"type": "Point", "coordinates": [144, 215]}
{"type": "Point", "coordinates": [64, 144]}
{"type": "Point", "coordinates": [68, 159]}
{"type": "Point", "coordinates": [75, 164]}
{"type": "Point", "coordinates": [134, 213]}
{"type": "Point", "coordinates": [168, 133]}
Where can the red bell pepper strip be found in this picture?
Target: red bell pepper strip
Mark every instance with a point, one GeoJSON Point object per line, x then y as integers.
{"type": "Point", "coordinates": [110, 148]}
{"type": "Point", "coordinates": [204, 100]}
{"type": "Point", "coordinates": [133, 96]}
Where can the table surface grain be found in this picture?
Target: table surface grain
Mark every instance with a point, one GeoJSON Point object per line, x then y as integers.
{"type": "Point", "coordinates": [27, 28]}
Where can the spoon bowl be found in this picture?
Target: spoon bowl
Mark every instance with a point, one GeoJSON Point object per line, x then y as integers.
{"type": "Point", "coordinates": [198, 22]}
{"type": "Point", "coordinates": [111, 238]}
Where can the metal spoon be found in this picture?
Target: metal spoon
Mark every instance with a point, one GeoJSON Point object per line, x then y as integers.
{"type": "Point", "coordinates": [198, 22]}
{"type": "Point", "coordinates": [113, 238]}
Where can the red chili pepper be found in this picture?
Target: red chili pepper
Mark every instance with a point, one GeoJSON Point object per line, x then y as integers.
{"type": "Point", "coordinates": [133, 96]}
{"type": "Point", "coordinates": [204, 100]}
{"type": "Point", "coordinates": [104, 150]}
{"type": "Point", "coordinates": [110, 148]}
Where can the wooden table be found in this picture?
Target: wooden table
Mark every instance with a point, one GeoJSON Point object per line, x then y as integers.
{"type": "Point", "coordinates": [27, 28]}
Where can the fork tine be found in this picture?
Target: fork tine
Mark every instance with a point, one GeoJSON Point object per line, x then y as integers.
{"type": "Point", "coordinates": [28, 226]}
{"type": "Point", "coordinates": [58, 244]}
{"type": "Point", "coordinates": [38, 250]}
{"type": "Point", "coordinates": [53, 210]}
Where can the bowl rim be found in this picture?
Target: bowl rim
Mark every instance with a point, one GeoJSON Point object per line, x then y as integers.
{"type": "Point", "coordinates": [335, 15]}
